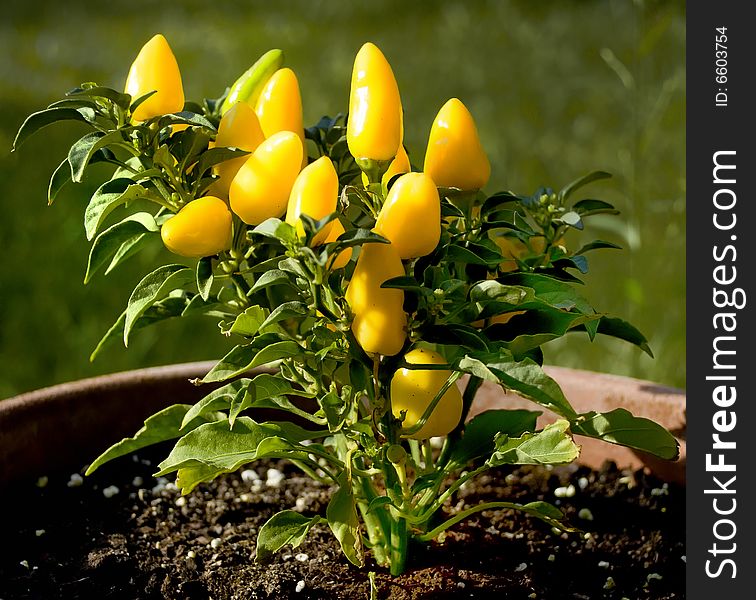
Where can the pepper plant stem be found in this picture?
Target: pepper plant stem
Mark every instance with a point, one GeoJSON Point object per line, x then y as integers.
{"type": "Point", "coordinates": [399, 539]}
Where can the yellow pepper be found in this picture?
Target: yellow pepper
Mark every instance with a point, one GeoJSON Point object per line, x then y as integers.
{"type": "Point", "coordinates": [262, 186]}
{"type": "Point", "coordinates": [342, 258]}
{"type": "Point", "coordinates": [454, 157]}
{"type": "Point", "coordinates": [380, 322]}
{"type": "Point", "coordinates": [239, 128]}
{"type": "Point", "coordinates": [314, 193]}
{"type": "Point", "coordinates": [201, 228]}
{"type": "Point", "coordinates": [375, 108]}
{"type": "Point", "coordinates": [279, 106]}
{"type": "Point", "coordinates": [155, 68]}
{"type": "Point", "coordinates": [413, 390]}
{"type": "Point", "coordinates": [411, 216]}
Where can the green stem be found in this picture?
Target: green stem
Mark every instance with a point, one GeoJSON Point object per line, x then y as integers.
{"type": "Point", "coordinates": [415, 451]}
{"type": "Point", "coordinates": [398, 551]}
{"type": "Point", "coordinates": [437, 501]}
{"type": "Point", "coordinates": [377, 521]}
{"type": "Point", "coordinates": [427, 457]}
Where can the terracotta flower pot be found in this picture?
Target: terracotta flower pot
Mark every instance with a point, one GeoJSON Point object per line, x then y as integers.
{"type": "Point", "coordinates": [65, 426]}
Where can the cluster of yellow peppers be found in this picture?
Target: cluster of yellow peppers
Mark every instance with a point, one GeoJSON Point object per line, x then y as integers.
{"type": "Point", "coordinates": [265, 119]}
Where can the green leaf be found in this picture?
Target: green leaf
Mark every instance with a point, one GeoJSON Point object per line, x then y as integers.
{"type": "Point", "coordinates": [623, 330]}
{"type": "Point", "coordinates": [379, 502]}
{"type": "Point", "coordinates": [167, 424]}
{"type": "Point", "coordinates": [159, 282]}
{"type": "Point", "coordinates": [248, 323]}
{"type": "Point", "coordinates": [335, 410]}
{"type": "Point", "coordinates": [215, 448]}
{"type": "Point", "coordinates": [536, 327]}
{"type": "Point", "coordinates": [243, 358]}
{"type": "Point", "coordinates": [184, 118]}
{"type": "Point", "coordinates": [405, 282]}
{"type": "Point", "coordinates": [270, 278]}
{"type": "Point", "coordinates": [581, 182]}
{"type": "Point", "coordinates": [62, 174]}
{"type": "Point", "coordinates": [60, 177]}
{"type": "Point", "coordinates": [268, 391]}
{"type": "Point", "coordinates": [508, 219]}
{"type": "Point", "coordinates": [356, 237]}
{"type": "Point", "coordinates": [81, 153]}
{"type": "Point", "coordinates": [138, 101]}
{"type": "Point", "coordinates": [621, 427]}
{"type": "Point", "coordinates": [552, 445]}
{"type": "Point", "coordinates": [594, 207]}
{"type": "Point", "coordinates": [219, 399]}
{"type": "Point", "coordinates": [474, 254]}
{"type": "Point", "coordinates": [277, 230]}
{"type": "Point", "coordinates": [120, 99]}
{"type": "Point", "coordinates": [597, 244]}
{"type": "Point", "coordinates": [128, 248]}
{"type": "Point", "coordinates": [292, 265]}
{"type": "Point", "coordinates": [110, 242]}
{"type": "Point", "coordinates": [478, 437]}
{"type": "Point", "coordinates": [552, 291]}
{"type": "Point", "coordinates": [526, 378]}
{"type": "Point", "coordinates": [168, 308]}
{"type": "Point", "coordinates": [278, 447]}
{"type": "Point", "coordinates": [205, 277]}
{"type": "Point", "coordinates": [215, 156]}
{"type": "Point", "coordinates": [341, 514]}
{"type": "Point", "coordinates": [576, 262]}
{"type": "Point", "coordinates": [285, 527]}
{"type": "Point", "coordinates": [198, 307]}
{"type": "Point", "coordinates": [106, 198]}
{"type": "Point", "coordinates": [458, 335]}
{"type": "Point", "coordinates": [287, 310]}
{"type": "Point", "coordinates": [43, 118]}
{"type": "Point", "coordinates": [485, 291]}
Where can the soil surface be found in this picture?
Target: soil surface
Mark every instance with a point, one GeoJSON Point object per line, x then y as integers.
{"type": "Point", "coordinates": [86, 539]}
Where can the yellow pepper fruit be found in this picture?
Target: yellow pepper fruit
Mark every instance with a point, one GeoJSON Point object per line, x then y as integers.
{"type": "Point", "coordinates": [380, 322]}
{"type": "Point", "coordinates": [262, 185]}
{"type": "Point", "coordinates": [411, 216]}
{"type": "Point", "coordinates": [342, 258]}
{"type": "Point", "coordinates": [374, 127]}
{"type": "Point", "coordinates": [413, 390]}
{"type": "Point", "coordinates": [279, 106]}
{"type": "Point", "coordinates": [155, 68]}
{"type": "Point", "coordinates": [239, 128]}
{"type": "Point", "coordinates": [201, 228]}
{"type": "Point", "coordinates": [454, 157]}
{"type": "Point", "coordinates": [314, 193]}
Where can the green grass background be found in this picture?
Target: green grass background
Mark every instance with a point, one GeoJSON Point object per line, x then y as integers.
{"type": "Point", "coordinates": [557, 89]}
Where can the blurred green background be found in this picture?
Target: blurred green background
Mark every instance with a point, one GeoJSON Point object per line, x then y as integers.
{"type": "Point", "coordinates": [557, 89]}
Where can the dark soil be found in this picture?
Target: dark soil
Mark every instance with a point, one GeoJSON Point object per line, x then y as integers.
{"type": "Point", "coordinates": [147, 541]}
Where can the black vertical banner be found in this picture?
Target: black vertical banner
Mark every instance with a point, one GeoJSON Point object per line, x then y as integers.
{"type": "Point", "coordinates": [721, 359]}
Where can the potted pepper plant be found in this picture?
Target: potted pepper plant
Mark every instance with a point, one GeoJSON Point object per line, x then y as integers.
{"type": "Point", "coordinates": [379, 297]}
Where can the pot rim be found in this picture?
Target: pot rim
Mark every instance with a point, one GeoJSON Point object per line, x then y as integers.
{"type": "Point", "coordinates": [29, 428]}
